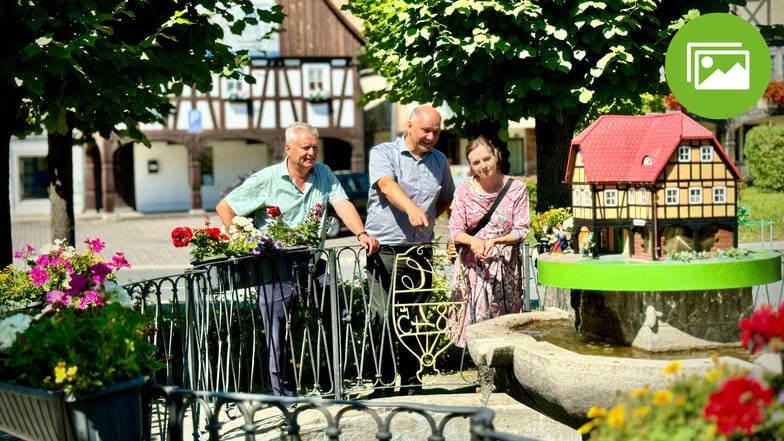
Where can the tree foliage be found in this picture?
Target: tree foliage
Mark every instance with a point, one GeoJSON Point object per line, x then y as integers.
{"type": "Point", "coordinates": [764, 153]}
{"type": "Point", "coordinates": [100, 66]}
{"type": "Point", "coordinates": [492, 61]}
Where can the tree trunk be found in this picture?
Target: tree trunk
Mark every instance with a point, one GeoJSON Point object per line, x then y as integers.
{"type": "Point", "coordinates": [9, 114]}
{"type": "Point", "coordinates": [6, 243]}
{"type": "Point", "coordinates": [553, 139]}
{"type": "Point", "coordinates": [60, 160]}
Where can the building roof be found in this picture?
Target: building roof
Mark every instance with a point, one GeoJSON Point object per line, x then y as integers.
{"type": "Point", "coordinates": [614, 147]}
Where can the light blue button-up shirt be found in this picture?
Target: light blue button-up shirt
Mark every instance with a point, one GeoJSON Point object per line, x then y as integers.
{"type": "Point", "coordinates": [427, 181]}
{"type": "Point", "coordinates": [273, 187]}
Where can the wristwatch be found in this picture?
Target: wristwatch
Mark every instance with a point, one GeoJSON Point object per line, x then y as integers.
{"type": "Point", "coordinates": [361, 233]}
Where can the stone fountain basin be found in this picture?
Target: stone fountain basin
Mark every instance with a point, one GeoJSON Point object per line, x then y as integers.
{"type": "Point", "coordinates": [560, 383]}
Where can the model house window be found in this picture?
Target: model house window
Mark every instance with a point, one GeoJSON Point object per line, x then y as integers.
{"type": "Point", "coordinates": [647, 160]}
{"type": "Point", "coordinates": [671, 196]}
{"type": "Point", "coordinates": [587, 198]}
{"type": "Point", "coordinates": [719, 195]}
{"type": "Point", "coordinates": [695, 195]}
{"type": "Point", "coordinates": [706, 153]}
{"type": "Point", "coordinates": [631, 196]}
{"type": "Point", "coordinates": [576, 196]}
{"type": "Point", "coordinates": [684, 153]}
{"type": "Point", "coordinates": [643, 194]}
{"type": "Point", "coordinates": [610, 198]}
{"type": "Point", "coordinates": [34, 176]}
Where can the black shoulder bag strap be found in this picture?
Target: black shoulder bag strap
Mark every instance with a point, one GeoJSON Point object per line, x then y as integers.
{"type": "Point", "coordinates": [486, 218]}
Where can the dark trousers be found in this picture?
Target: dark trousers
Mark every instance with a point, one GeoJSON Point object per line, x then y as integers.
{"type": "Point", "coordinates": [275, 300]}
{"type": "Point", "coordinates": [389, 349]}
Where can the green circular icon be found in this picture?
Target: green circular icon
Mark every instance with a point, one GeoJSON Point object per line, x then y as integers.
{"type": "Point", "coordinates": [718, 66]}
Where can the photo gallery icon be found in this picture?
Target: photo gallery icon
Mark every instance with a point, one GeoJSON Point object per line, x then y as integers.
{"type": "Point", "coordinates": [717, 66]}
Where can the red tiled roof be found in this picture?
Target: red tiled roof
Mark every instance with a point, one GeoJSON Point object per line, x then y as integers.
{"type": "Point", "coordinates": [614, 146]}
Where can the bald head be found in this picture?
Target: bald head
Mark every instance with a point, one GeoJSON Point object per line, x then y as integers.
{"type": "Point", "coordinates": [424, 126]}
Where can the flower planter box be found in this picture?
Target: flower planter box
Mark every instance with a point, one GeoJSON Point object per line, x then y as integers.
{"type": "Point", "coordinates": [274, 267]}
{"type": "Point", "coordinates": [112, 413]}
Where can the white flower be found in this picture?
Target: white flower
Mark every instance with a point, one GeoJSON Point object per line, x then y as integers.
{"type": "Point", "coordinates": [115, 293]}
{"type": "Point", "coordinates": [568, 224]}
{"type": "Point", "coordinates": [12, 326]}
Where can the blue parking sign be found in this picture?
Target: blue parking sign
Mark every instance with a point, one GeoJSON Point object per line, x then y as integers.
{"type": "Point", "coordinates": [194, 121]}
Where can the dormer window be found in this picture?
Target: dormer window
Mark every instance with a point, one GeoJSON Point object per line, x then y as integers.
{"type": "Point", "coordinates": [684, 153]}
{"type": "Point", "coordinates": [647, 160]}
{"type": "Point", "coordinates": [706, 153]}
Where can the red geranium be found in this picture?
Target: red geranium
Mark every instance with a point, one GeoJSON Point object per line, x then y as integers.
{"type": "Point", "coordinates": [738, 405]}
{"type": "Point", "coordinates": [765, 327]}
{"type": "Point", "coordinates": [273, 212]}
{"type": "Point", "coordinates": [181, 236]}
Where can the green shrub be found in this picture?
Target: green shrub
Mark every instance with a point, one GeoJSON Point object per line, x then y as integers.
{"type": "Point", "coordinates": [765, 156]}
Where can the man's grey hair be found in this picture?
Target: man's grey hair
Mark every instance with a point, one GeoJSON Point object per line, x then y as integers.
{"type": "Point", "coordinates": [291, 131]}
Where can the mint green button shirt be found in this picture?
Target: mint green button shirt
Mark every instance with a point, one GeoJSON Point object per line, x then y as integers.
{"type": "Point", "coordinates": [273, 187]}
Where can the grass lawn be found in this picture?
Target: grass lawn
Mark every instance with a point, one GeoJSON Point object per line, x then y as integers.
{"type": "Point", "coordinates": [764, 207]}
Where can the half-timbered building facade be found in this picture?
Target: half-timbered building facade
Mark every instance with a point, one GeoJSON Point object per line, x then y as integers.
{"type": "Point", "coordinates": [308, 72]}
{"type": "Point", "coordinates": [648, 185]}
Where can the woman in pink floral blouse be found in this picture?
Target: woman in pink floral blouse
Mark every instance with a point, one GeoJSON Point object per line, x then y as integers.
{"type": "Point", "coordinates": [490, 262]}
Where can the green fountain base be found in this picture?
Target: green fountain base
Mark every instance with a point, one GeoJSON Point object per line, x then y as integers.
{"type": "Point", "coordinates": [620, 273]}
{"type": "Point", "coordinates": [661, 306]}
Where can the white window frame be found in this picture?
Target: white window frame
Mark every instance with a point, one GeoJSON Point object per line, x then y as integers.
{"type": "Point", "coordinates": [684, 153]}
{"type": "Point", "coordinates": [316, 79]}
{"type": "Point", "coordinates": [587, 198]}
{"type": "Point", "coordinates": [647, 160]}
{"type": "Point", "coordinates": [631, 196]}
{"type": "Point", "coordinates": [695, 195]}
{"type": "Point", "coordinates": [577, 197]}
{"type": "Point", "coordinates": [643, 193]}
{"type": "Point", "coordinates": [720, 195]}
{"type": "Point", "coordinates": [671, 196]}
{"type": "Point", "coordinates": [611, 198]}
{"type": "Point", "coordinates": [706, 153]}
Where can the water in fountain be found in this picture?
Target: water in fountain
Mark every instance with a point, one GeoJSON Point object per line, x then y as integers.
{"type": "Point", "coordinates": [563, 334]}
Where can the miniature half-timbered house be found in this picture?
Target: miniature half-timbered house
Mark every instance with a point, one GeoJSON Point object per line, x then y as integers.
{"type": "Point", "coordinates": [649, 185]}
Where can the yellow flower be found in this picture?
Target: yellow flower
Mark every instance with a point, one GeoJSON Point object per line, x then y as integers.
{"type": "Point", "coordinates": [642, 411]}
{"type": "Point", "coordinates": [61, 373]}
{"type": "Point", "coordinates": [616, 417]}
{"type": "Point", "coordinates": [681, 400]}
{"type": "Point", "coordinates": [587, 427]}
{"type": "Point", "coordinates": [636, 393]}
{"type": "Point", "coordinates": [673, 368]}
{"type": "Point", "coordinates": [713, 374]}
{"type": "Point", "coordinates": [662, 396]}
{"type": "Point", "coordinates": [597, 412]}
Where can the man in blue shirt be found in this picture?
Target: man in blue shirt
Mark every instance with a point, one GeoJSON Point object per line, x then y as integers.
{"type": "Point", "coordinates": [411, 185]}
{"type": "Point", "coordinates": [295, 186]}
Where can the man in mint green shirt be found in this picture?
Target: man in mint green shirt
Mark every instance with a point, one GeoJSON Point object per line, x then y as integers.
{"type": "Point", "coordinates": [295, 186]}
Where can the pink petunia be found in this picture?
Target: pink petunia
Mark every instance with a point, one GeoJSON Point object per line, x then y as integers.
{"type": "Point", "coordinates": [39, 275]}
{"type": "Point", "coordinates": [24, 252]}
{"type": "Point", "coordinates": [96, 244]}
{"type": "Point", "coordinates": [119, 261]}
{"type": "Point", "coordinates": [58, 298]}
{"type": "Point", "coordinates": [90, 298]}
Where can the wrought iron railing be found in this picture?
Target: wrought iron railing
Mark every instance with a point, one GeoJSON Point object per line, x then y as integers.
{"type": "Point", "coordinates": [209, 323]}
{"type": "Point", "coordinates": [179, 414]}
